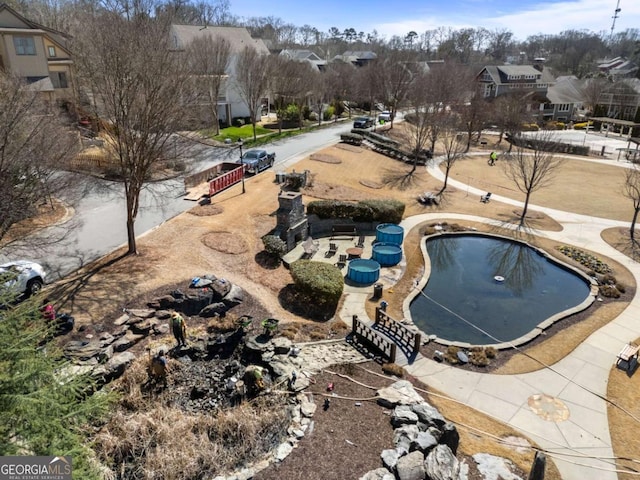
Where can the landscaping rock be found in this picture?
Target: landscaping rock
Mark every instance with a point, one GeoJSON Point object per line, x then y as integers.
{"type": "Point", "coordinates": [404, 436]}
{"type": "Point", "coordinates": [389, 459]}
{"type": "Point", "coordinates": [126, 342]}
{"type": "Point", "coordinates": [495, 468]}
{"type": "Point", "coordinates": [121, 320]}
{"type": "Point", "coordinates": [441, 464]}
{"type": "Point", "coordinates": [450, 437]}
{"type": "Point", "coordinates": [118, 364]}
{"type": "Point", "coordinates": [428, 414]}
{"type": "Point", "coordinates": [283, 451]}
{"type": "Point", "coordinates": [402, 415]}
{"type": "Point", "coordinates": [142, 313]}
{"type": "Point", "coordinates": [82, 350]}
{"type": "Point", "coordinates": [143, 327]}
{"type": "Point", "coordinates": [399, 393]}
{"type": "Point", "coordinates": [378, 474]}
{"type": "Point", "coordinates": [220, 287]}
{"type": "Point", "coordinates": [234, 297]}
{"type": "Point", "coordinates": [213, 309]}
{"type": "Point", "coordinates": [308, 409]}
{"type": "Point", "coordinates": [281, 345]}
{"type": "Point", "coordinates": [161, 329]}
{"type": "Point", "coordinates": [411, 466]}
{"type": "Point", "coordinates": [424, 442]}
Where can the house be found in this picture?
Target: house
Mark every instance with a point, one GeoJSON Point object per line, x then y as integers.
{"type": "Point", "coordinates": [230, 104]}
{"type": "Point", "coordinates": [533, 81]}
{"type": "Point", "coordinates": [501, 79]}
{"type": "Point", "coordinates": [565, 100]}
{"type": "Point", "coordinates": [356, 58]}
{"type": "Point", "coordinates": [36, 54]}
{"type": "Point", "coordinates": [305, 56]}
{"type": "Point", "coordinates": [618, 67]}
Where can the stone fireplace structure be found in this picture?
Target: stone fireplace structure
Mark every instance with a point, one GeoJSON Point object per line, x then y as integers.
{"type": "Point", "coordinates": [291, 224]}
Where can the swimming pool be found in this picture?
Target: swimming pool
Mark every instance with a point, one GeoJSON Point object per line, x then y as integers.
{"type": "Point", "coordinates": [504, 287]}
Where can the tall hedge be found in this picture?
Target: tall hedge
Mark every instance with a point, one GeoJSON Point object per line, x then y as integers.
{"type": "Point", "coordinates": [383, 211]}
{"type": "Point", "coordinates": [322, 283]}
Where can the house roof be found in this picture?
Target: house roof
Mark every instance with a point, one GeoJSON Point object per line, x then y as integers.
{"type": "Point", "coordinates": [238, 37]}
{"type": "Point", "coordinates": [566, 90]}
{"type": "Point", "coordinates": [300, 54]}
{"type": "Point", "coordinates": [360, 54]}
{"type": "Point", "coordinates": [499, 73]}
{"type": "Point", "coordinates": [56, 36]}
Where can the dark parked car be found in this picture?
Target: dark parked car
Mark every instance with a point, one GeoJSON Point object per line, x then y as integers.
{"type": "Point", "coordinates": [363, 122]}
{"type": "Point", "coordinates": [257, 160]}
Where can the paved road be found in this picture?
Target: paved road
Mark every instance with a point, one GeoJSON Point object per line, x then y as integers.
{"type": "Point", "coordinates": [98, 224]}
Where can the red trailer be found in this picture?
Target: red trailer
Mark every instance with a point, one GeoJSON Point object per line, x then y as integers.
{"type": "Point", "coordinates": [230, 174]}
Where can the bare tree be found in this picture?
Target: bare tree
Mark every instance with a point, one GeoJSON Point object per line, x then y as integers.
{"type": "Point", "coordinates": [34, 146]}
{"type": "Point", "coordinates": [533, 169]}
{"type": "Point", "coordinates": [139, 87]}
{"type": "Point", "coordinates": [419, 119]}
{"type": "Point", "coordinates": [396, 73]}
{"type": "Point", "coordinates": [210, 59]}
{"type": "Point", "coordinates": [252, 80]}
{"type": "Point", "coordinates": [319, 97]}
{"type": "Point", "coordinates": [632, 192]}
{"type": "Point", "coordinates": [289, 84]}
{"type": "Point", "coordinates": [453, 143]}
{"type": "Point", "coordinates": [594, 92]}
{"type": "Point", "coordinates": [474, 114]}
{"type": "Point", "coordinates": [510, 112]}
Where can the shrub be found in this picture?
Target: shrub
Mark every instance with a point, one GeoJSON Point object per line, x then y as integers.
{"type": "Point", "coordinates": [621, 288]}
{"type": "Point", "coordinates": [490, 352]}
{"type": "Point", "coordinates": [451, 355]}
{"type": "Point", "coordinates": [238, 122]}
{"type": "Point", "coordinates": [383, 211]}
{"type": "Point", "coordinates": [609, 291]}
{"type": "Point", "coordinates": [320, 282]}
{"type": "Point", "coordinates": [479, 358]}
{"type": "Point", "coordinates": [328, 113]}
{"type": "Point", "coordinates": [393, 369]}
{"type": "Point", "coordinates": [274, 245]}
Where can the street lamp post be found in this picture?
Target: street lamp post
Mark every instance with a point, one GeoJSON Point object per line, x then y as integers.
{"type": "Point", "coordinates": [241, 163]}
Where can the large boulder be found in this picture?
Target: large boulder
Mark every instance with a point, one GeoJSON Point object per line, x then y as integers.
{"type": "Point", "coordinates": [234, 297]}
{"type": "Point", "coordinates": [428, 414]}
{"type": "Point", "coordinates": [399, 393]}
{"type": "Point", "coordinates": [390, 458]}
{"type": "Point", "coordinates": [403, 437]}
{"type": "Point", "coordinates": [213, 309]}
{"type": "Point", "coordinates": [424, 442]}
{"type": "Point", "coordinates": [441, 464]}
{"type": "Point", "coordinates": [118, 364]}
{"type": "Point", "coordinates": [450, 437]}
{"type": "Point", "coordinates": [220, 288]}
{"type": "Point", "coordinates": [402, 415]}
{"type": "Point", "coordinates": [411, 466]}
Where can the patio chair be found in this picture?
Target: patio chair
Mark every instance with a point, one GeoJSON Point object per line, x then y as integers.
{"type": "Point", "coordinates": [342, 261]}
{"type": "Point", "coordinates": [333, 248]}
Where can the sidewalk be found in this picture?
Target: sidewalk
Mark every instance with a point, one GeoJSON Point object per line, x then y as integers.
{"type": "Point", "coordinates": [575, 386]}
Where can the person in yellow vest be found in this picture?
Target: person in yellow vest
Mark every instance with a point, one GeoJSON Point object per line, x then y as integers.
{"type": "Point", "coordinates": [179, 329]}
{"type": "Point", "coordinates": [493, 156]}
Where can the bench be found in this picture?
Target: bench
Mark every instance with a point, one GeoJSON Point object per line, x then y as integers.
{"type": "Point", "coordinates": [343, 231]}
{"type": "Point", "coordinates": [628, 356]}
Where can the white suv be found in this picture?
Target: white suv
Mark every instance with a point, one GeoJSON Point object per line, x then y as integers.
{"type": "Point", "coordinates": [25, 278]}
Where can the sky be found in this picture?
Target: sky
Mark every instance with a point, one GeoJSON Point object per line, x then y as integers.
{"type": "Point", "coordinates": [398, 17]}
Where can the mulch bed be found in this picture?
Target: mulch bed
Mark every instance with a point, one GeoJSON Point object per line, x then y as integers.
{"type": "Point", "coordinates": [322, 157]}
{"type": "Point", "coordinates": [327, 453]}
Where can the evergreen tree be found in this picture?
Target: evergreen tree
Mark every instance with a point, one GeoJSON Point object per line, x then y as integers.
{"type": "Point", "coordinates": [44, 408]}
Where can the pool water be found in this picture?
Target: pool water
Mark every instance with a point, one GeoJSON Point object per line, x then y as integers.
{"type": "Point", "coordinates": [462, 284]}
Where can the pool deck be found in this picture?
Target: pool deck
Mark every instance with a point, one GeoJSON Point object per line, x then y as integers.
{"type": "Point", "coordinates": [580, 446]}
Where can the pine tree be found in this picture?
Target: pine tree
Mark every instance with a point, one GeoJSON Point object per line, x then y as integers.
{"type": "Point", "coordinates": [44, 409]}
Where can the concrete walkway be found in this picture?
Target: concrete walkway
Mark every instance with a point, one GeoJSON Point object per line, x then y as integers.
{"type": "Point", "coordinates": [578, 382]}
